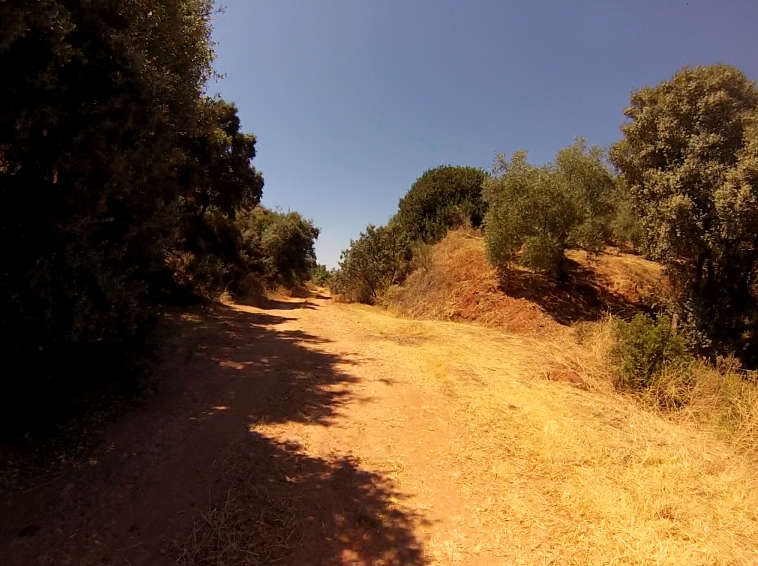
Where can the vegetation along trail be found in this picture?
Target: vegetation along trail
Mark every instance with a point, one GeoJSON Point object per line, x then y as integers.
{"type": "Point", "coordinates": [313, 432]}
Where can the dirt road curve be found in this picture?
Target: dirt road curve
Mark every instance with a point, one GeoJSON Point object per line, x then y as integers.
{"type": "Point", "coordinates": [318, 433]}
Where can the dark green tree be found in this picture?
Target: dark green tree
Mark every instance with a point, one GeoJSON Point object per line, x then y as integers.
{"type": "Point", "coordinates": [689, 156]}
{"type": "Point", "coordinates": [441, 199]}
{"type": "Point", "coordinates": [321, 275]}
{"type": "Point", "coordinates": [380, 257]}
{"type": "Point", "coordinates": [96, 97]}
{"type": "Point", "coordinates": [278, 245]}
{"type": "Point", "coordinates": [217, 180]}
{"type": "Point", "coordinates": [219, 170]}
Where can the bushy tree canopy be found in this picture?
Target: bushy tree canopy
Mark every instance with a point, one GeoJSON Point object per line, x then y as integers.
{"type": "Point", "coordinates": [321, 275]}
{"type": "Point", "coordinates": [280, 245]}
{"type": "Point", "coordinates": [373, 262]}
{"type": "Point", "coordinates": [218, 171]}
{"type": "Point", "coordinates": [538, 211]}
{"type": "Point", "coordinates": [94, 100]}
{"type": "Point", "coordinates": [440, 199]}
{"type": "Point", "coordinates": [217, 180]}
{"type": "Point", "coordinates": [690, 156]}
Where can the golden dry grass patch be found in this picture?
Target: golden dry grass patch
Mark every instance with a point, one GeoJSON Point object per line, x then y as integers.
{"type": "Point", "coordinates": [457, 283]}
{"type": "Point", "coordinates": [510, 465]}
{"type": "Point", "coordinates": [625, 274]}
{"type": "Point", "coordinates": [454, 281]}
{"type": "Point", "coordinates": [576, 476]}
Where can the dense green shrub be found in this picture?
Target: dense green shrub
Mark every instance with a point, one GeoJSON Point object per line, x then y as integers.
{"type": "Point", "coordinates": [320, 275]}
{"type": "Point", "coordinates": [212, 263]}
{"type": "Point", "coordinates": [690, 158]}
{"type": "Point", "coordinates": [226, 254]}
{"type": "Point", "coordinates": [538, 212]}
{"type": "Point", "coordinates": [645, 348]}
{"type": "Point", "coordinates": [278, 245]}
{"type": "Point", "coordinates": [380, 257]}
{"type": "Point", "coordinates": [442, 198]}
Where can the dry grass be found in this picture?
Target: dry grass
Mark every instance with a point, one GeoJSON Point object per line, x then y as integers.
{"type": "Point", "coordinates": [456, 283]}
{"type": "Point", "coordinates": [627, 275]}
{"type": "Point", "coordinates": [240, 531]}
{"type": "Point", "coordinates": [250, 524]}
{"type": "Point", "coordinates": [720, 398]}
{"type": "Point", "coordinates": [571, 476]}
{"type": "Point", "coordinates": [515, 449]}
{"type": "Point", "coordinates": [575, 472]}
{"type": "Point", "coordinates": [723, 398]}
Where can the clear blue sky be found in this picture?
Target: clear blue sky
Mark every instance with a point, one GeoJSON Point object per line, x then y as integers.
{"type": "Point", "coordinates": [352, 100]}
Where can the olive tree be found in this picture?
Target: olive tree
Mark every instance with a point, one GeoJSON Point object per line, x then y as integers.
{"type": "Point", "coordinates": [536, 212]}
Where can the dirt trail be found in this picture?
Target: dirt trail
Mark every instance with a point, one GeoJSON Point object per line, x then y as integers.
{"type": "Point", "coordinates": [318, 433]}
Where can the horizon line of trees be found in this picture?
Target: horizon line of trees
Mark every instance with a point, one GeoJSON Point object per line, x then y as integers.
{"type": "Point", "coordinates": [680, 187]}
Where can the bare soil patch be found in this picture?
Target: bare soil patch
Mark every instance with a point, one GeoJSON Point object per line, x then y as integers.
{"type": "Point", "coordinates": [320, 433]}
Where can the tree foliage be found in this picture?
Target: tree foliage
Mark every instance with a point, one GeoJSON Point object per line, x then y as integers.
{"type": "Point", "coordinates": [279, 246]}
{"type": "Point", "coordinates": [217, 182]}
{"type": "Point", "coordinates": [95, 97]}
{"type": "Point", "coordinates": [690, 156]}
{"type": "Point", "coordinates": [218, 171]}
{"type": "Point", "coordinates": [441, 199]}
{"type": "Point", "coordinates": [321, 275]}
{"type": "Point", "coordinates": [536, 212]}
{"type": "Point", "coordinates": [625, 226]}
{"type": "Point", "coordinates": [121, 182]}
{"type": "Point", "coordinates": [376, 260]}
{"type": "Point", "coordinates": [259, 248]}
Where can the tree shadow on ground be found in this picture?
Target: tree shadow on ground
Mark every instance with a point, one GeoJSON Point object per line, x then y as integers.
{"type": "Point", "coordinates": [276, 375]}
{"type": "Point", "coordinates": [287, 305]}
{"type": "Point", "coordinates": [156, 482]}
{"type": "Point", "coordinates": [579, 297]}
{"type": "Point", "coordinates": [277, 504]}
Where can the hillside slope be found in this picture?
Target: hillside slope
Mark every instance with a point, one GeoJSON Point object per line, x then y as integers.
{"type": "Point", "coordinates": [456, 282]}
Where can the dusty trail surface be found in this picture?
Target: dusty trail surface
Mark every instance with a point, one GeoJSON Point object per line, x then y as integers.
{"type": "Point", "coordinates": [318, 433]}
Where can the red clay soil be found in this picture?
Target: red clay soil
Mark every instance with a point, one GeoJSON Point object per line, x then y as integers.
{"type": "Point", "coordinates": [310, 432]}
{"type": "Point", "coordinates": [458, 283]}
{"type": "Point", "coordinates": [140, 496]}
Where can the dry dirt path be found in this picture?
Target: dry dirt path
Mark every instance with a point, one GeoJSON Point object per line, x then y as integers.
{"type": "Point", "coordinates": [319, 433]}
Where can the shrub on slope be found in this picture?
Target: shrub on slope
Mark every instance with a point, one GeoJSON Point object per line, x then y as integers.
{"type": "Point", "coordinates": [457, 283]}
{"type": "Point", "coordinates": [454, 281]}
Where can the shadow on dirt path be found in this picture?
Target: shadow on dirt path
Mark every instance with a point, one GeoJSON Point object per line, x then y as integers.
{"type": "Point", "coordinates": [188, 478]}
{"type": "Point", "coordinates": [275, 503]}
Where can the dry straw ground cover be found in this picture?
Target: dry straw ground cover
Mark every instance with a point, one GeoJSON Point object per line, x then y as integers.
{"type": "Point", "coordinates": [458, 443]}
